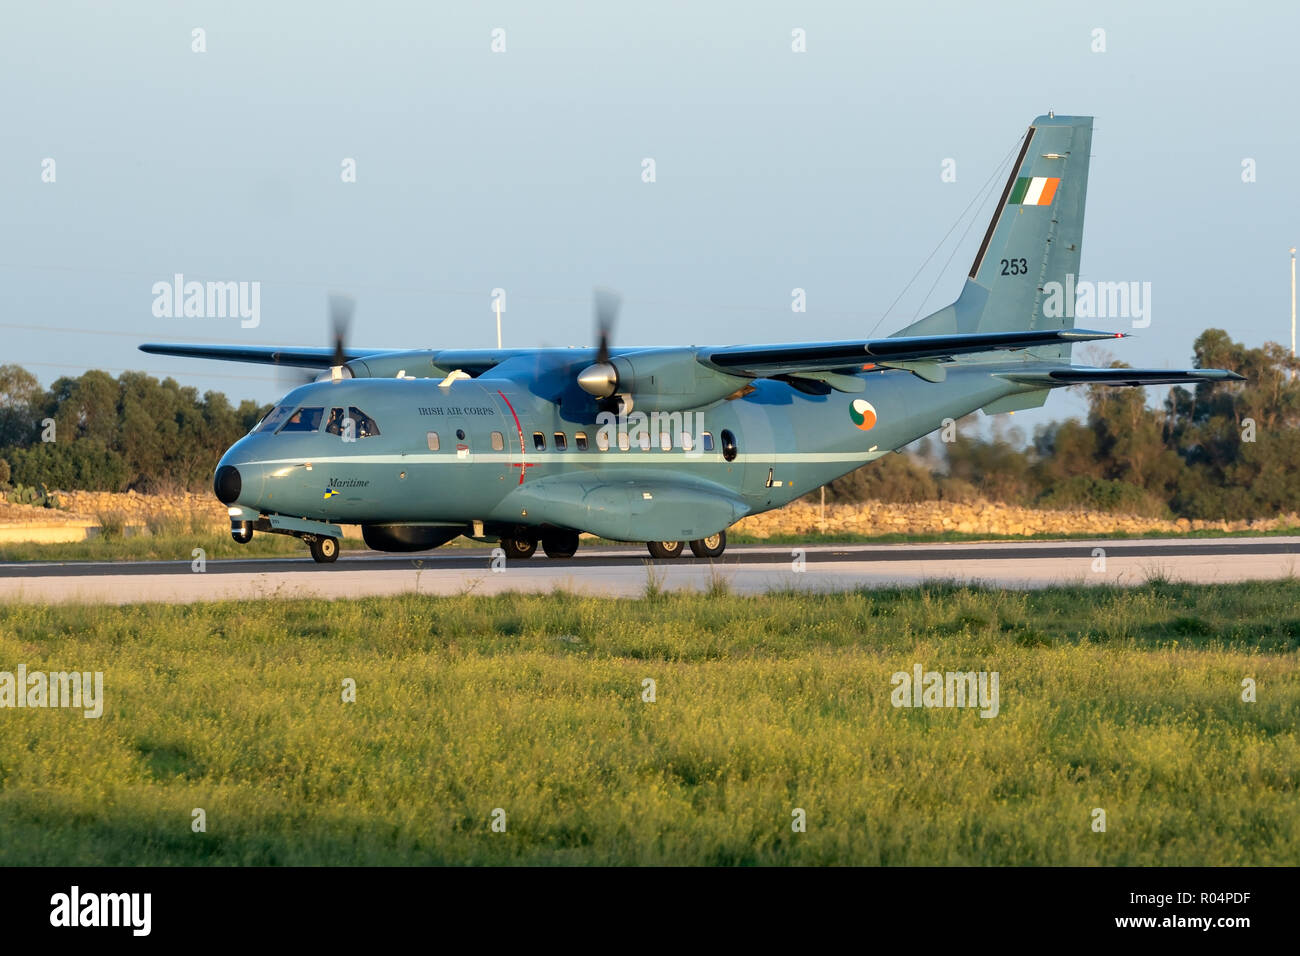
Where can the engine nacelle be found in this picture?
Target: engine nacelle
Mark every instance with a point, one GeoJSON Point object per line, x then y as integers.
{"type": "Point", "coordinates": [666, 380]}
{"type": "Point", "coordinates": [407, 537]}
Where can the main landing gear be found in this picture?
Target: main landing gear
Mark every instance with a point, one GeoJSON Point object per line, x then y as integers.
{"type": "Point", "coordinates": [665, 549]}
{"type": "Point", "coordinates": [559, 543]}
{"type": "Point", "coordinates": [517, 547]}
{"type": "Point", "coordinates": [556, 542]}
{"type": "Point", "coordinates": [710, 547]}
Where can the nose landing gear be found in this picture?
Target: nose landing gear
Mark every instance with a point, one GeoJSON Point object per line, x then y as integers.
{"type": "Point", "coordinates": [324, 549]}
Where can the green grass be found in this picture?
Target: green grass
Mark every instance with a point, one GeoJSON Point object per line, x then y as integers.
{"type": "Point", "coordinates": [161, 547]}
{"type": "Point", "coordinates": [1127, 700]}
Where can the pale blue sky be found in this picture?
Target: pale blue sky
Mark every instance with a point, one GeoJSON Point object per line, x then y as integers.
{"type": "Point", "coordinates": [522, 170]}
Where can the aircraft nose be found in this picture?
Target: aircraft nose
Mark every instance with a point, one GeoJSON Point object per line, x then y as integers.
{"type": "Point", "coordinates": [227, 484]}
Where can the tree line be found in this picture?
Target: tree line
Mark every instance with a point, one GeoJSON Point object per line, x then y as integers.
{"type": "Point", "coordinates": [1213, 451]}
{"type": "Point", "coordinates": [96, 433]}
{"type": "Point", "coordinates": [1226, 450]}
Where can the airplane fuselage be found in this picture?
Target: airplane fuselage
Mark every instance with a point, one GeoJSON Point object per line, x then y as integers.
{"type": "Point", "coordinates": [488, 450]}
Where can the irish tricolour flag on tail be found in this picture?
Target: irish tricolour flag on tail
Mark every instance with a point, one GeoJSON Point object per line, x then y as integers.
{"type": "Point", "coordinates": [1034, 190]}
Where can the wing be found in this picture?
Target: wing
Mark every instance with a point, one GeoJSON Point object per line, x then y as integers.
{"type": "Point", "coordinates": [766, 360]}
{"type": "Point", "coordinates": [321, 358]}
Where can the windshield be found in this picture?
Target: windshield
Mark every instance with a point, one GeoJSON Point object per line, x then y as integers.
{"type": "Point", "coordinates": [274, 418]}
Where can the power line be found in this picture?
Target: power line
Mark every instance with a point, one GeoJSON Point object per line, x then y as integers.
{"type": "Point", "coordinates": [171, 374]}
{"type": "Point", "coordinates": [956, 223]}
{"type": "Point", "coordinates": [584, 302]}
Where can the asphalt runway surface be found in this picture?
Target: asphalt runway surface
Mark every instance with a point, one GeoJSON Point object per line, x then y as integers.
{"type": "Point", "coordinates": [626, 571]}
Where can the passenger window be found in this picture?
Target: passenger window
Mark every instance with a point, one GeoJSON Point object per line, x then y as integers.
{"type": "Point", "coordinates": [602, 440]}
{"type": "Point", "coordinates": [304, 420]}
{"type": "Point", "coordinates": [539, 441]}
{"type": "Point", "coordinates": [274, 418]}
{"type": "Point", "coordinates": [665, 441]}
{"type": "Point", "coordinates": [623, 443]}
{"type": "Point", "coordinates": [728, 445]}
{"type": "Point", "coordinates": [498, 441]}
{"type": "Point", "coordinates": [643, 441]}
{"type": "Point", "coordinates": [687, 441]}
{"type": "Point", "coordinates": [365, 425]}
{"type": "Point", "coordinates": [561, 442]}
{"type": "Point", "coordinates": [708, 441]}
{"type": "Point", "coordinates": [334, 424]}
{"type": "Point", "coordinates": [580, 441]}
{"type": "Point", "coordinates": [433, 441]}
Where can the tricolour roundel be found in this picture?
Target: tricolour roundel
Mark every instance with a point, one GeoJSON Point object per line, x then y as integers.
{"type": "Point", "coordinates": [863, 413]}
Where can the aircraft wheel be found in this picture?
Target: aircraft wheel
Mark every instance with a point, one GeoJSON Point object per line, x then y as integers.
{"type": "Point", "coordinates": [324, 550]}
{"type": "Point", "coordinates": [517, 549]}
{"type": "Point", "coordinates": [560, 544]}
{"type": "Point", "coordinates": [242, 532]}
{"type": "Point", "coordinates": [665, 549]}
{"type": "Point", "coordinates": [710, 547]}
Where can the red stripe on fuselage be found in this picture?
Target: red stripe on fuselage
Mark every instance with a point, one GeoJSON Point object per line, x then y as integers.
{"type": "Point", "coordinates": [519, 428]}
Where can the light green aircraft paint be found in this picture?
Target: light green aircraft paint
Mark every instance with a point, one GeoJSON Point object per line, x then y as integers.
{"type": "Point", "coordinates": [729, 431]}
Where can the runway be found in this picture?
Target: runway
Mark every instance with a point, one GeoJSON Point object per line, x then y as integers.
{"type": "Point", "coordinates": [626, 571]}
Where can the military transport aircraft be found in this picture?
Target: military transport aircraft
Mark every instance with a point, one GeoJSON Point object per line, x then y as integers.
{"type": "Point", "coordinates": [666, 446]}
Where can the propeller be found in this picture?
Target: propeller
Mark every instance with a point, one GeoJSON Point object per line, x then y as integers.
{"type": "Point", "coordinates": [340, 308]}
{"type": "Point", "coordinates": [600, 379]}
{"type": "Point", "coordinates": [606, 303]}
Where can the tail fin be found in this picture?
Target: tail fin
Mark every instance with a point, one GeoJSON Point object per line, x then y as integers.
{"type": "Point", "coordinates": [1036, 237]}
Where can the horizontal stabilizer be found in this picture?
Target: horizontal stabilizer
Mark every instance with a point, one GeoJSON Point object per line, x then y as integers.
{"type": "Point", "coordinates": [1123, 376]}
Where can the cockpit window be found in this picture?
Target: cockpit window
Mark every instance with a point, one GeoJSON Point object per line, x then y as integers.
{"type": "Point", "coordinates": [334, 424]}
{"type": "Point", "coordinates": [304, 420]}
{"type": "Point", "coordinates": [366, 426]}
{"type": "Point", "coordinates": [274, 418]}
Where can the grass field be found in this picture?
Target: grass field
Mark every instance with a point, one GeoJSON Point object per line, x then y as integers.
{"type": "Point", "coordinates": [1125, 700]}
{"type": "Point", "coordinates": [162, 547]}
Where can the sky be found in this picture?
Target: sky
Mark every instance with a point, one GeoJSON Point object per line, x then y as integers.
{"type": "Point", "coordinates": [523, 169]}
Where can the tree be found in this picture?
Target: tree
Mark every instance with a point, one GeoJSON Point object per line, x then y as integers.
{"type": "Point", "coordinates": [21, 398]}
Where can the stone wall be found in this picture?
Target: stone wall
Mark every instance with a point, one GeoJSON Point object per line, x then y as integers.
{"type": "Point", "coordinates": [87, 510]}
{"type": "Point", "coordinates": [141, 509]}
{"type": "Point", "coordinates": [977, 517]}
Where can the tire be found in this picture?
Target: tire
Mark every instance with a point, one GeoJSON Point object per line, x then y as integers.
{"type": "Point", "coordinates": [324, 550]}
{"type": "Point", "coordinates": [242, 532]}
{"type": "Point", "coordinates": [519, 549]}
{"type": "Point", "coordinates": [710, 547]}
{"type": "Point", "coordinates": [560, 544]}
{"type": "Point", "coordinates": [665, 549]}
